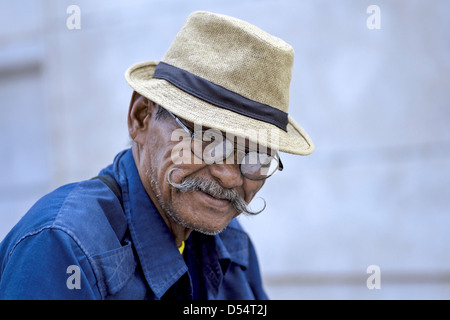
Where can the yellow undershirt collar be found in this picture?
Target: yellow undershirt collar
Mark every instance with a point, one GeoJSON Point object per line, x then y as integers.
{"type": "Point", "coordinates": [181, 247]}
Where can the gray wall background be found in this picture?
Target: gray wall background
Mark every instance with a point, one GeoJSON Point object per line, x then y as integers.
{"type": "Point", "coordinates": [375, 102]}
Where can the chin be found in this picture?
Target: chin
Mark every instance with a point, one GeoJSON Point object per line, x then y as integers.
{"type": "Point", "coordinates": [203, 213]}
{"type": "Point", "coordinates": [209, 232]}
{"type": "Point", "coordinates": [208, 222]}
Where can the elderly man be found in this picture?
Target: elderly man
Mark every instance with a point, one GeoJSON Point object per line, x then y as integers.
{"type": "Point", "coordinates": [207, 123]}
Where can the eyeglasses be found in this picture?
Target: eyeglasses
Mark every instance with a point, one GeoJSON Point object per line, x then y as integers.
{"type": "Point", "coordinates": [212, 147]}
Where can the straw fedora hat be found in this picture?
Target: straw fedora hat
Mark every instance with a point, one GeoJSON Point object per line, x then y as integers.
{"type": "Point", "coordinates": [224, 73]}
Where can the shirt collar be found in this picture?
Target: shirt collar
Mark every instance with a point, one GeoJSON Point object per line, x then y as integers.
{"type": "Point", "coordinates": [158, 254]}
{"type": "Point", "coordinates": [233, 244]}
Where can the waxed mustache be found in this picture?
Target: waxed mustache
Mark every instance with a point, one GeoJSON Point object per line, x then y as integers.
{"type": "Point", "coordinates": [212, 188]}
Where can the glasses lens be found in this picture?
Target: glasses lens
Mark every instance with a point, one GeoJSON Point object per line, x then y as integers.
{"type": "Point", "coordinates": [259, 166]}
{"type": "Point", "coordinates": [211, 146]}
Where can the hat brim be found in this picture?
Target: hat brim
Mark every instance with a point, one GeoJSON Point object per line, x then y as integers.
{"type": "Point", "coordinates": [193, 109]}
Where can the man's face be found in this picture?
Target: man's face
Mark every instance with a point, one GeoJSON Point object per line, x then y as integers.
{"type": "Point", "coordinates": [196, 210]}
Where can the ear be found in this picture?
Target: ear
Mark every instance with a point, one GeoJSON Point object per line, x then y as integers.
{"type": "Point", "coordinates": [139, 114]}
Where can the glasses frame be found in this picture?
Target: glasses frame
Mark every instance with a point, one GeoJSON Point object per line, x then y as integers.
{"type": "Point", "coordinates": [192, 133]}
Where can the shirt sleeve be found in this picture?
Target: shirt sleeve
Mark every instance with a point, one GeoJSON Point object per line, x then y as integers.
{"type": "Point", "coordinates": [48, 265]}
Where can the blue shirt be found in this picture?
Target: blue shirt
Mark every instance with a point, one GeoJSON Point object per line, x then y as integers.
{"type": "Point", "coordinates": [65, 248]}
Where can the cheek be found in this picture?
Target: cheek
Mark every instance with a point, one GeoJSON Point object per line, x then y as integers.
{"type": "Point", "coordinates": [161, 167]}
{"type": "Point", "coordinates": [157, 163]}
{"type": "Point", "coordinates": [164, 168]}
{"type": "Point", "coordinates": [251, 188]}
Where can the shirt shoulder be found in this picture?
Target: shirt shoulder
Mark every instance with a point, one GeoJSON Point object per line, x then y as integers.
{"type": "Point", "coordinates": [68, 222]}
{"type": "Point", "coordinates": [77, 209]}
{"type": "Point", "coordinates": [48, 265]}
{"type": "Point", "coordinates": [40, 216]}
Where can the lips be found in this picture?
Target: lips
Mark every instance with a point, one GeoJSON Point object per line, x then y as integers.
{"type": "Point", "coordinates": [212, 200]}
{"type": "Point", "coordinates": [214, 196]}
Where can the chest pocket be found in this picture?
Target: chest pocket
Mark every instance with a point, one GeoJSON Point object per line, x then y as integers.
{"type": "Point", "coordinates": [115, 269]}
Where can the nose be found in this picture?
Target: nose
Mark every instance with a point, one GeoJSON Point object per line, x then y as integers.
{"type": "Point", "coordinates": [228, 175]}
